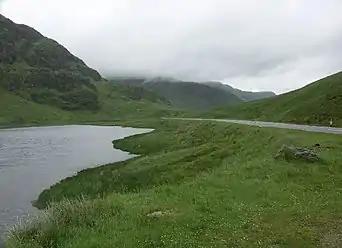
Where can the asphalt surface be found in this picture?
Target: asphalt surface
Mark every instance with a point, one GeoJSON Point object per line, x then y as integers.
{"type": "Point", "coordinates": [316, 129]}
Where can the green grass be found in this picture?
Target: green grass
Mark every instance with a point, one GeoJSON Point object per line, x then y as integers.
{"type": "Point", "coordinates": [219, 183]}
{"type": "Point", "coordinates": [114, 105]}
{"type": "Point", "coordinates": [16, 111]}
{"type": "Point", "coordinates": [316, 104]}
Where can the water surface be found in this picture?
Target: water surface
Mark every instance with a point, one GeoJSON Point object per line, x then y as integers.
{"type": "Point", "coordinates": [32, 159]}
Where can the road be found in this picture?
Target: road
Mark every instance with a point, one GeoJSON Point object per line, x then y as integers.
{"type": "Point", "coordinates": [317, 129]}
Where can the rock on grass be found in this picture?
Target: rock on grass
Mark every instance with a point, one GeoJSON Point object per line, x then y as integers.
{"type": "Point", "coordinates": [298, 153]}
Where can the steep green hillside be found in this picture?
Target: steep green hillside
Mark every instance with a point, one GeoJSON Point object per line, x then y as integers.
{"type": "Point", "coordinates": [41, 70]}
{"type": "Point", "coordinates": [42, 82]}
{"type": "Point", "coordinates": [313, 104]}
{"type": "Point", "coordinates": [181, 94]}
{"type": "Point", "coordinates": [246, 96]}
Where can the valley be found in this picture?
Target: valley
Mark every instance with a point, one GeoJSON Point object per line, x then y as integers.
{"type": "Point", "coordinates": [213, 171]}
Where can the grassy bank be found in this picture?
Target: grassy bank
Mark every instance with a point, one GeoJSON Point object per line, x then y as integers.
{"type": "Point", "coordinates": [215, 185]}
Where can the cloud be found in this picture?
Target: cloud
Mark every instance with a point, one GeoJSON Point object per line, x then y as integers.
{"type": "Point", "coordinates": [251, 44]}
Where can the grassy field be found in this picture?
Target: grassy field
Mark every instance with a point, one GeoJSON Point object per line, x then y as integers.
{"type": "Point", "coordinates": [16, 111]}
{"type": "Point", "coordinates": [115, 105]}
{"type": "Point", "coordinates": [211, 184]}
{"type": "Point", "coordinates": [316, 104]}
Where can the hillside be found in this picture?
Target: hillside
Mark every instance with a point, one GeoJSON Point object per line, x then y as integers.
{"type": "Point", "coordinates": [39, 69]}
{"type": "Point", "coordinates": [190, 95]}
{"type": "Point", "coordinates": [114, 105]}
{"type": "Point", "coordinates": [246, 96]}
{"type": "Point", "coordinates": [19, 111]}
{"type": "Point", "coordinates": [42, 82]}
{"type": "Point", "coordinates": [181, 94]}
{"type": "Point", "coordinates": [193, 95]}
{"type": "Point", "coordinates": [314, 104]}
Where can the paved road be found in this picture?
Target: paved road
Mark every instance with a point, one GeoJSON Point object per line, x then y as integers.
{"type": "Point", "coordinates": [317, 129]}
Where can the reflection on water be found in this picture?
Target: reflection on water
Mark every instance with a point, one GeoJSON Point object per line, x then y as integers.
{"type": "Point", "coordinates": [32, 159]}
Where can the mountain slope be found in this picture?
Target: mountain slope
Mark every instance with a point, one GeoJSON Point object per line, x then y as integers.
{"type": "Point", "coordinates": [191, 95]}
{"type": "Point", "coordinates": [42, 82]}
{"type": "Point", "coordinates": [313, 104]}
{"type": "Point", "coordinates": [246, 96]}
{"type": "Point", "coordinates": [41, 70]}
{"type": "Point", "coordinates": [181, 94]}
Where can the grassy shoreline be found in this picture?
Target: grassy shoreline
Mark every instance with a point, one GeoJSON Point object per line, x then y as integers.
{"type": "Point", "coordinates": [113, 122]}
{"type": "Point", "coordinates": [217, 184]}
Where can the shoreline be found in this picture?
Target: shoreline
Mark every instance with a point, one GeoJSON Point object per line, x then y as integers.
{"type": "Point", "coordinates": [121, 131]}
{"type": "Point", "coordinates": [199, 177]}
{"type": "Point", "coordinates": [38, 205]}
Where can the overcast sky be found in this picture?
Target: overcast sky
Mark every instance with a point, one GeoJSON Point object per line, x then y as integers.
{"type": "Point", "coordinates": [276, 45]}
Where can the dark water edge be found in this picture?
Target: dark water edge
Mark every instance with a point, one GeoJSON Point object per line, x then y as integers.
{"type": "Point", "coordinates": [38, 157]}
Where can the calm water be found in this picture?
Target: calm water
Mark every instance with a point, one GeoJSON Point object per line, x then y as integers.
{"type": "Point", "coordinates": [32, 159]}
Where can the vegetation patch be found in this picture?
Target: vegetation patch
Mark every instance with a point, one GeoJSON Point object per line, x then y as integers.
{"type": "Point", "coordinates": [315, 104]}
{"type": "Point", "coordinates": [219, 184]}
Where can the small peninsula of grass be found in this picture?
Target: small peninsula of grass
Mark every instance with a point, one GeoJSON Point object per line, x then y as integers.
{"type": "Point", "coordinates": [198, 184]}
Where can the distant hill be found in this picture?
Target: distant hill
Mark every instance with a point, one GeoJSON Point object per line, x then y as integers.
{"type": "Point", "coordinates": [246, 96]}
{"type": "Point", "coordinates": [193, 95]}
{"type": "Point", "coordinates": [314, 104]}
{"type": "Point", "coordinates": [41, 81]}
{"type": "Point", "coordinates": [190, 95]}
{"type": "Point", "coordinates": [181, 94]}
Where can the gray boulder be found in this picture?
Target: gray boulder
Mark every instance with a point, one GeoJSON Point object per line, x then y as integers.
{"type": "Point", "coordinates": [298, 153]}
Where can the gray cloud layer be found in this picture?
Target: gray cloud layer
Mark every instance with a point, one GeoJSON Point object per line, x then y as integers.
{"type": "Point", "coordinates": [250, 44]}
